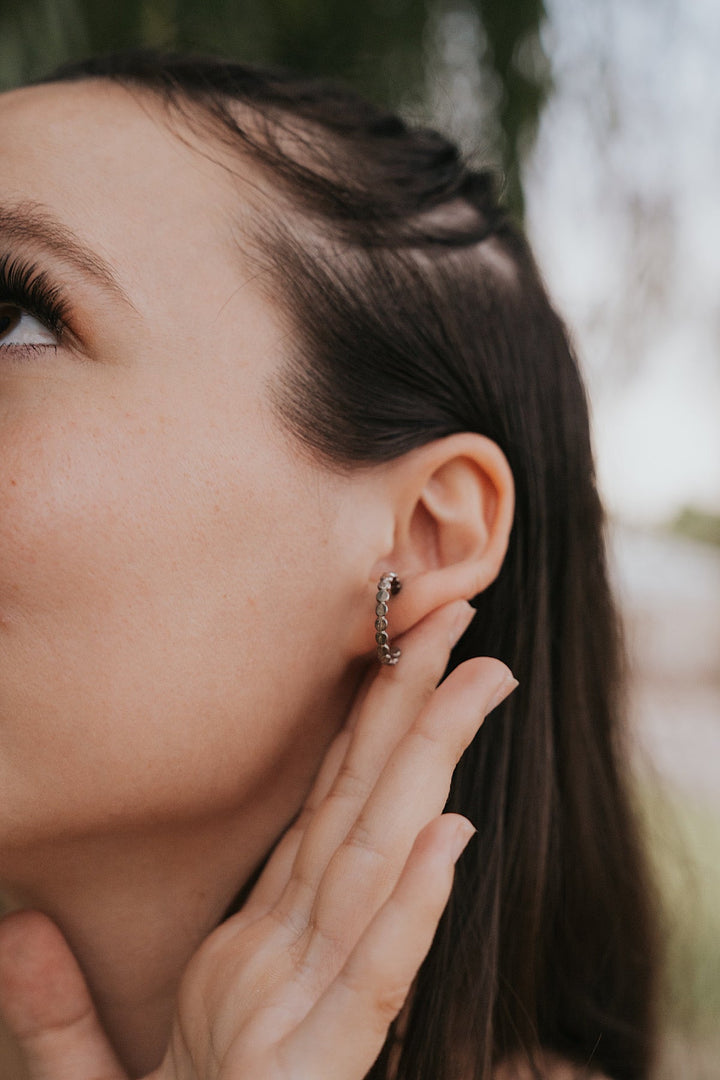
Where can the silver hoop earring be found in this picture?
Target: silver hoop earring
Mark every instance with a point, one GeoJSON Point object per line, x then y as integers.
{"type": "Point", "coordinates": [388, 585]}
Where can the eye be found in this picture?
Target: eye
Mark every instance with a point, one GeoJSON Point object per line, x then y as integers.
{"type": "Point", "coordinates": [18, 327]}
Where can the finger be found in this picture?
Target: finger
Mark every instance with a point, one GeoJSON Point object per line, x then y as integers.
{"type": "Point", "coordinates": [411, 791]}
{"type": "Point", "coordinates": [276, 873]}
{"type": "Point", "coordinates": [372, 986]}
{"type": "Point", "coordinates": [364, 754]}
{"type": "Point", "coordinates": [46, 1004]}
{"type": "Point", "coordinates": [391, 704]}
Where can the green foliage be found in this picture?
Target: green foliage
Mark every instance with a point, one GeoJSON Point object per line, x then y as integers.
{"type": "Point", "coordinates": [516, 55]}
{"type": "Point", "coordinates": [380, 46]}
{"type": "Point", "coordinates": [697, 525]}
{"type": "Point", "coordinates": [685, 845]}
{"type": "Point", "coordinates": [684, 841]}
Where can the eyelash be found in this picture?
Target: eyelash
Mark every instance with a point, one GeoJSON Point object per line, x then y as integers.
{"type": "Point", "coordinates": [24, 284]}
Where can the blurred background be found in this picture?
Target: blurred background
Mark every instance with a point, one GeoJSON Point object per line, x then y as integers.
{"type": "Point", "coordinates": [603, 118]}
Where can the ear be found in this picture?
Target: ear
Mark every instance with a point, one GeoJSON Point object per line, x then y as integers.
{"type": "Point", "coordinates": [453, 502]}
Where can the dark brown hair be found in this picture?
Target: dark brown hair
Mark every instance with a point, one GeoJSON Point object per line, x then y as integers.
{"type": "Point", "coordinates": [417, 311]}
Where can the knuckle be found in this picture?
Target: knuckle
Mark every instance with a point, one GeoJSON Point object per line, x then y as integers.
{"type": "Point", "coordinates": [333, 943]}
{"type": "Point", "coordinates": [288, 922]}
{"type": "Point", "coordinates": [317, 954]}
{"type": "Point", "coordinates": [445, 733]}
{"type": "Point", "coordinates": [388, 1003]}
{"type": "Point", "coordinates": [437, 742]}
{"type": "Point", "coordinates": [349, 784]}
{"type": "Point", "coordinates": [382, 1003]}
{"type": "Point", "coordinates": [303, 882]}
{"type": "Point", "coordinates": [361, 841]}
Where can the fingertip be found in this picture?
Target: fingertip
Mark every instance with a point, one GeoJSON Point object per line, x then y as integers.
{"type": "Point", "coordinates": [480, 674]}
{"type": "Point", "coordinates": [446, 836]}
{"type": "Point", "coordinates": [40, 985]}
{"type": "Point", "coordinates": [27, 938]}
{"type": "Point", "coordinates": [460, 837]}
{"type": "Point", "coordinates": [462, 616]}
{"type": "Point", "coordinates": [503, 688]}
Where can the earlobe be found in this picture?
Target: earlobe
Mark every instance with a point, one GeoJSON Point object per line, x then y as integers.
{"type": "Point", "coordinates": [454, 507]}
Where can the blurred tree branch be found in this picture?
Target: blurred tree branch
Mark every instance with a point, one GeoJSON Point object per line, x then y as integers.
{"type": "Point", "coordinates": [381, 47]}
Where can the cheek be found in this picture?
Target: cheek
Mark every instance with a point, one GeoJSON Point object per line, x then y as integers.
{"type": "Point", "coordinates": [76, 508]}
{"type": "Point", "coordinates": [146, 594]}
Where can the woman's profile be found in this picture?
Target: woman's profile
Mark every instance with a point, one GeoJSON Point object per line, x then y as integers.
{"type": "Point", "coordinates": [282, 391]}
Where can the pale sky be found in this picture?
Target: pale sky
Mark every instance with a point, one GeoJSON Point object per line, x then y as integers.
{"type": "Point", "coordinates": [624, 214]}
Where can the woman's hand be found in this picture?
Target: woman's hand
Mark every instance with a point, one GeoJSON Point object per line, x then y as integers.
{"type": "Point", "coordinates": [304, 982]}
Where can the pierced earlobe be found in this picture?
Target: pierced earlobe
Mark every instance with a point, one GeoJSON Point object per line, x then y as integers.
{"type": "Point", "coordinates": [388, 585]}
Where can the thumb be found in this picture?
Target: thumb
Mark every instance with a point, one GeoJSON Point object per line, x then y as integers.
{"type": "Point", "coordinates": [47, 1006]}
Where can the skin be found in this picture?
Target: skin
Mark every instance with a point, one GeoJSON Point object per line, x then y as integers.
{"type": "Point", "coordinates": [186, 600]}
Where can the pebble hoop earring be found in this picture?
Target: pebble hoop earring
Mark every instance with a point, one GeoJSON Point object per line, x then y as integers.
{"type": "Point", "coordinates": [388, 585]}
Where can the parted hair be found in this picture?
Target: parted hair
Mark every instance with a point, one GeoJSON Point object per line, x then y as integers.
{"type": "Point", "coordinates": [415, 310]}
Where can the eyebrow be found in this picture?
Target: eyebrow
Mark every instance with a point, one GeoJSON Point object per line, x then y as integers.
{"type": "Point", "coordinates": [31, 222]}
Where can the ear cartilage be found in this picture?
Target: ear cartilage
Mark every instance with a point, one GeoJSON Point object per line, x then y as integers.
{"type": "Point", "coordinates": [388, 585]}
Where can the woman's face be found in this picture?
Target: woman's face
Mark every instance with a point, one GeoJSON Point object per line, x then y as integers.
{"type": "Point", "coordinates": [175, 577]}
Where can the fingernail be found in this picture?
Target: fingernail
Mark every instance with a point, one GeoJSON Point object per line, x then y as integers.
{"type": "Point", "coordinates": [460, 623]}
{"type": "Point", "coordinates": [463, 835]}
{"type": "Point", "coordinates": [504, 689]}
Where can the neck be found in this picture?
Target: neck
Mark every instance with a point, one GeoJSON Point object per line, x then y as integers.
{"type": "Point", "coordinates": [134, 908]}
{"type": "Point", "coordinates": [135, 903]}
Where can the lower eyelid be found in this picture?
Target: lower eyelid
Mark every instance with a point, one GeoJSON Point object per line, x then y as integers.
{"type": "Point", "coordinates": [16, 349]}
